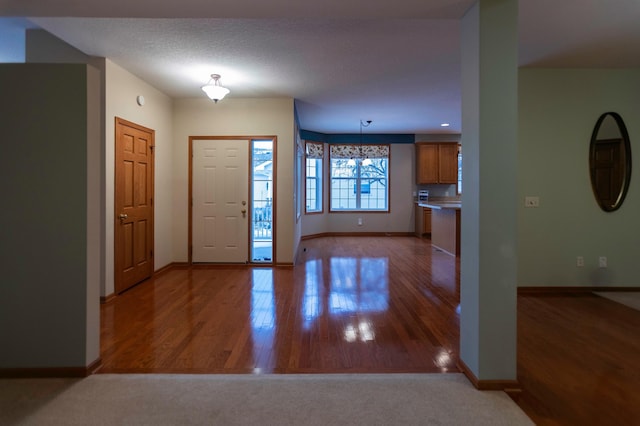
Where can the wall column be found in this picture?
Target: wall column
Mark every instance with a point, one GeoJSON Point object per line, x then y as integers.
{"type": "Point", "coordinates": [489, 217]}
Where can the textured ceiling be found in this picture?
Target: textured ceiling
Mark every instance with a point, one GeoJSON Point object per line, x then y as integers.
{"type": "Point", "coordinates": [360, 9]}
{"type": "Point", "coordinates": [396, 63]}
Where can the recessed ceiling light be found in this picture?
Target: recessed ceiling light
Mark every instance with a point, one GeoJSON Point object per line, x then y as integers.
{"type": "Point", "coordinates": [444, 125]}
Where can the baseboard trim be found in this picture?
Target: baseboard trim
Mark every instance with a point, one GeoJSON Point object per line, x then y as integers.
{"type": "Point", "coordinates": [159, 272]}
{"type": "Point", "coordinates": [508, 386]}
{"type": "Point", "coordinates": [170, 266]}
{"type": "Point", "coordinates": [108, 298]}
{"type": "Point", "coordinates": [51, 372]}
{"type": "Point", "coordinates": [312, 236]}
{"type": "Point", "coordinates": [581, 289]}
{"type": "Point", "coordinates": [357, 234]}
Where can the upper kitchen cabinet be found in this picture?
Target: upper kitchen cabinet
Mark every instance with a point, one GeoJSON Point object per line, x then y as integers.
{"type": "Point", "coordinates": [436, 163]}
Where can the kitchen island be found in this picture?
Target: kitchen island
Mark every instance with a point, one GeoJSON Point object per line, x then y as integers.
{"type": "Point", "coordinates": [445, 225]}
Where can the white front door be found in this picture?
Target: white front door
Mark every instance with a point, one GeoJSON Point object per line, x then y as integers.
{"type": "Point", "coordinates": [220, 201]}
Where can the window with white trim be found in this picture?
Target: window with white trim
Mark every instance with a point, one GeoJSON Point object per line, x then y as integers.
{"type": "Point", "coordinates": [359, 178]}
{"type": "Point", "coordinates": [313, 177]}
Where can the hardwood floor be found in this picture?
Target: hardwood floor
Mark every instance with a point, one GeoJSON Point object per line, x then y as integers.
{"type": "Point", "coordinates": [374, 305]}
{"type": "Point", "coordinates": [578, 360]}
{"type": "Point", "coordinates": [360, 304]}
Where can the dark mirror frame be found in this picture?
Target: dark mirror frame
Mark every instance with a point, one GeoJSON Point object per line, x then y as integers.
{"type": "Point", "coordinates": [626, 172]}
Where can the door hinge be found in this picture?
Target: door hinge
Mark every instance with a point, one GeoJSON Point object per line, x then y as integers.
{"type": "Point", "coordinates": [151, 147]}
{"type": "Point", "coordinates": [151, 253]}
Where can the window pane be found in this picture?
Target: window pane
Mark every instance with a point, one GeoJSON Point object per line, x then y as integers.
{"type": "Point", "coordinates": [343, 195]}
{"type": "Point", "coordinates": [313, 189]}
{"type": "Point", "coordinates": [359, 184]}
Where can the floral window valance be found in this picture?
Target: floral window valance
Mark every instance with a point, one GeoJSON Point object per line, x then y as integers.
{"type": "Point", "coordinates": [315, 150]}
{"type": "Point", "coordinates": [359, 151]}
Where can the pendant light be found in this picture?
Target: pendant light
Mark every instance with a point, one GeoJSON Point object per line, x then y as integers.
{"type": "Point", "coordinates": [214, 90]}
{"type": "Point", "coordinates": [366, 161]}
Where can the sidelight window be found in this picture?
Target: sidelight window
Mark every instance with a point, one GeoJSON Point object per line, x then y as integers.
{"type": "Point", "coordinates": [262, 201]}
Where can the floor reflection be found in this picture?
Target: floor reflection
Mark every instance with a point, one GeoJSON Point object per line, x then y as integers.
{"type": "Point", "coordinates": [263, 307]}
{"type": "Point", "coordinates": [312, 302]}
{"type": "Point", "coordinates": [358, 285]}
{"type": "Point", "coordinates": [263, 319]}
{"type": "Point", "coordinates": [364, 332]}
{"type": "Point", "coordinates": [353, 286]}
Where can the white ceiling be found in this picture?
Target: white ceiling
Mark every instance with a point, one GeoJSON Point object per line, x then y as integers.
{"type": "Point", "coordinates": [396, 63]}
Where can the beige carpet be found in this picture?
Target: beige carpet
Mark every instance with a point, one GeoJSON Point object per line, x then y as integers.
{"type": "Point", "coordinates": [627, 298]}
{"type": "Point", "coordinates": [391, 399]}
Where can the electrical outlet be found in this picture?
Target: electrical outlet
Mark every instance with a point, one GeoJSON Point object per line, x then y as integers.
{"type": "Point", "coordinates": [580, 261]}
{"type": "Point", "coordinates": [531, 201]}
{"type": "Point", "coordinates": [359, 221]}
{"type": "Point", "coordinates": [602, 262]}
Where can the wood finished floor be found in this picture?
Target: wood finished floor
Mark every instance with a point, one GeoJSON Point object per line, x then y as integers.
{"type": "Point", "coordinates": [376, 305]}
{"type": "Point", "coordinates": [372, 305]}
{"type": "Point", "coordinates": [578, 360]}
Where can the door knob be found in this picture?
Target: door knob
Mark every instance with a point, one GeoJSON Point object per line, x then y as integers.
{"type": "Point", "coordinates": [123, 216]}
{"type": "Point", "coordinates": [243, 211]}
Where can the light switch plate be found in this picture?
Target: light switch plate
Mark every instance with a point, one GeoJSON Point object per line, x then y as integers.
{"type": "Point", "coordinates": [531, 201]}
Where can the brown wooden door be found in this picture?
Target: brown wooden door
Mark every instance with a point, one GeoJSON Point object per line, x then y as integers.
{"type": "Point", "coordinates": [133, 204]}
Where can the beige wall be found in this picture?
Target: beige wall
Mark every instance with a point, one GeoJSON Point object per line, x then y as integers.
{"type": "Point", "coordinates": [235, 117]}
{"type": "Point", "coordinates": [122, 88]}
{"type": "Point", "coordinates": [401, 215]}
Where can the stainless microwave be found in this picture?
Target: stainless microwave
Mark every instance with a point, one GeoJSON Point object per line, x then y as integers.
{"type": "Point", "coordinates": [423, 196]}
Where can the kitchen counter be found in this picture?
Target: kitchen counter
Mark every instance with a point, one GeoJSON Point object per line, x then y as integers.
{"type": "Point", "coordinates": [445, 224]}
{"type": "Point", "coordinates": [439, 205]}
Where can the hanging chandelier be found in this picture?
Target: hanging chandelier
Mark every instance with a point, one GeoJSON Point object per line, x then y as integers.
{"type": "Point", "coordinates": [214, 90]}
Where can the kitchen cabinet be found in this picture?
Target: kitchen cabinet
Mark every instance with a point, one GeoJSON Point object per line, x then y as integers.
{"type": "Point", "coordinates": [426, 220]}
{"type": "Point", "coordinates": [436, 163]}
{"type": "Point", "coordinates": [423, 221]}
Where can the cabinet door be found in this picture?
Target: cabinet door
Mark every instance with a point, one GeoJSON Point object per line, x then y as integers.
{"type": "Point", "coordinates": [426, 221]}
{"type": "Point", "coordinates": [426, 163]}
{"type": "Point", "coordinates": [419, 221]}
{"type": "Point", "coordinates": [448, 162]}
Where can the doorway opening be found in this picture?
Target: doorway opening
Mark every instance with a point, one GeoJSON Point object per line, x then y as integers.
{"type": "Point", "coordinates": [261, 232]}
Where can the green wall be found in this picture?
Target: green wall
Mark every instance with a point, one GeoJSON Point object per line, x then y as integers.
{"type": "Point", "coordinates": [43, 244]}
{"type": "Point", "coordinates": [558, 109]}
{"type": "Point", "coordinates": [488, 259]}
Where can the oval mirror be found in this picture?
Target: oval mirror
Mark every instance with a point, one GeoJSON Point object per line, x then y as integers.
{"type": "Point", "coordinates": [610, 161]}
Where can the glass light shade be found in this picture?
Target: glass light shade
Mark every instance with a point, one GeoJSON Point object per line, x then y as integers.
{"type": "Point", "coordinates": [366, 162]}
{"type": "Point", "coordinates": [215, 93]}
{"type": "Point", "coordinates": [351, 162]}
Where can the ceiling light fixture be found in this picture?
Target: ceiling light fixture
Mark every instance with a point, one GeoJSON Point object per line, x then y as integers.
{"type": "Point", "coordinates": [365, 161]}
{"type": "Point", "coordinates": [214, 90]}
